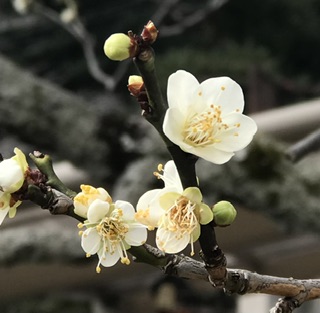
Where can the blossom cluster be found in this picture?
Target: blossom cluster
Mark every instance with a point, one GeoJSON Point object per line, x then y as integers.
{"type": "Point", "coordinates": [205, 120]}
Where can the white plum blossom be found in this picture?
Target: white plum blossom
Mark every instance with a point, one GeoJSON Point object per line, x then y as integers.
{"type": "Point", "coordinates": [87, 195]}
{"type": "Point", "coordinates": [176, 213]}
{"type": "Point", "coordinates": [111, 230]}
{"type": "Point", "coordinates": [206, 119]}
{"type": "Point", "coordinates": [12, 176]}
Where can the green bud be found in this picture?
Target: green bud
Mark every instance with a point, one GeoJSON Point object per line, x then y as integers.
{"type": "Point", "coordinates": [119, 47]}
{"type": "Point", "coordinates": [224, 213]}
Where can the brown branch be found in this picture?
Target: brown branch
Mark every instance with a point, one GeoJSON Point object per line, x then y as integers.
{"type": "Point", "coordinates": [294, 291]}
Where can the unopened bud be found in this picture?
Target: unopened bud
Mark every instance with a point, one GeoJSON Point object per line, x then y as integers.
{"type": "Point", "coordinates": [224, 213]}
{"type": "Point", "coordinates": [135, 85]}
{"type": "Point", "coordinates": [150, 32]}
{"type": "Point", "coordinates": [119, 47]}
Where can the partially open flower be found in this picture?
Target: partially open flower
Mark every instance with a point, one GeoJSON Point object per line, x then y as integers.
{"type": "Point", "coordinates": [177, 213]}
{"type": "Point", "coordinates": [206, 119]}
{"type": "Point", "coordinates": [111, 230]}
{"type": "Point", "coordinates": [119, 47]}
{"type": "Point", "coordinates": [12, 176]}
{"type": "Point", "coordinates": [83, 199]}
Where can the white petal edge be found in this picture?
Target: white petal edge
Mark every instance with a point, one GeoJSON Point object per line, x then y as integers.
{"type": "Point", "coordinates": [91, 241]}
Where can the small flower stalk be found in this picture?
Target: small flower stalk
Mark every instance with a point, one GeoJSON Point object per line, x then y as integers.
{"type": "Point", "coordinates": [206, 119]}
{"type": "Point", "coordinates": [176, 213]}
{"type": "Point", "coordinates": [111, 228]}
{"type": "Point", "coordinates": [12, 177]}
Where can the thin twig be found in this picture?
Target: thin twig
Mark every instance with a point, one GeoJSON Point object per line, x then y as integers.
{"type": "Point", "coordinates": [302, 148]}
{"type": "Point", "coordinates": [78, 31]}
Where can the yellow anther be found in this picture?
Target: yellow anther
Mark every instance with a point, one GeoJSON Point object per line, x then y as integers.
{"type": "Point", "coordinates": [125, 261]}
{"type": "Point", "coordinates": [223, 88]}
{"type": "Point", "coordinates": [160, 167]}
{"type": "Point", "coordinates": [80, 233]}
{"type": "Point", "coordinates": [80, 225]}
{"type": "Point", "coordinates": [236, 134]}
{"type": "Point", "coordinates": [98, 269]}
{"type": "Point", "coordinates": [88, 255]}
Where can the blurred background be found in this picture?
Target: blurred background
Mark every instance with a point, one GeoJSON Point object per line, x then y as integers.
{"type": "Point", "coordinates": [59, 94]}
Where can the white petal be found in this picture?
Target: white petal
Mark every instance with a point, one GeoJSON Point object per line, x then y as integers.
{"type": "Point", "coordinates": [236, 138]}
{"type": "Point", "coordinates": [224, 92]}
{"type": "Point", "coordinates": [3, 214]}
{"type": "Point", "coordinates": [149, 210]}
{"type": "Point", "coordinates": [181, 87]}
{"type": "Point", "coordinates": [136, 236]}
{"type": "Point", "coordinates": [10, 174]}
{"type": "Point", "coordinates": [80, 209]}
{"type": "Point", "coordinates": [91, 241]}
{"type": "Point", "coordinates": [171, 176]}
{"type": "Point", "coordinates": [109, 259]}
{"type": "Point", "coordinates": [173, 125]}
{"type": "Point", "coordinates": [168, 241]}
{"type": "Point", "coordinates": [98, 210]}
{"type": "Point", "coordinates": [211, 154]}
{"type": "Point", "coordinates": [127, 209]}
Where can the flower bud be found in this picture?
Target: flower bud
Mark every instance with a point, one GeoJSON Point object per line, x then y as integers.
{"type": "Point", "coordinates": [119, 47]}
{"type": "Point", "coordinates": [224, 213]}
{"type": "Point", "coordinates": [149, 33]}
{"type": "Point", "coordinates": [135, 85]}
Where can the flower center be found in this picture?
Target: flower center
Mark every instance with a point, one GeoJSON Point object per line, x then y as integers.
{"type": "Point", "coordinates": [201, 129]}
{"type": "Point", "coordinates": [112, 228]}
{"type": "Point", "coordinates": [181, 217]}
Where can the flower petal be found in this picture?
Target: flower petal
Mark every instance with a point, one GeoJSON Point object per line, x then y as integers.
{"type": "Point", "coordinates": [173, 125]}
{"type": "Point", "coordinates": [3, 213]}
{"type": "Point", "coordinates": [235, 137]}
{"type": "Point", "coordinates": [211, 154]}
{"type": "Point", "coordinates": [223, 92]}
{"type": "Point", "coordinates": [127, 209]}
{"type": "Point", "coordinates": [171, 242]}
{"type": "Point", "coordinates": [136, 236]}
{"type": "Point", "coordinates": [10, 175]}
{"type": "Point", "coordinates": [168, 199]}
{"type": "Point", "coordinates": [206, 215]}
{"type": "Point", "coordinates": [181, 86]}
{"type": "Point", "coordinates": [149, 210]}
{"type": "Point", "coordinates": [193, 194]}
{"type": "Point", "coordinates": [91, 241]}
{"type": "Point", "coordinates": [171, 176]}
{"type": "Point", "coordinates": [108, 259]}
{"type": "Point", "coordinates": [98, 210]}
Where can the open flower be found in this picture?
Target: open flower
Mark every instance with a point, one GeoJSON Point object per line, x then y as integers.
{"type": "Point", "coordinates": [149, 210]}
{"type": "Point", "coordinates": [111, 230]}
{"type": "Point", "coordinates": [12, 175]}
{"type": "Point", "coordinates": [206, 119]}
{"type": "Point", "coordinates": [177, 213]}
